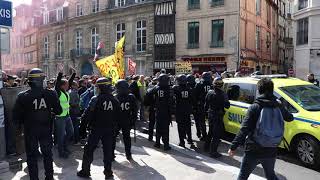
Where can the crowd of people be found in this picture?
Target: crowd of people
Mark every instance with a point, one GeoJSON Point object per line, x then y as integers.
{"type": "Point", "coordinates": [91, 109]}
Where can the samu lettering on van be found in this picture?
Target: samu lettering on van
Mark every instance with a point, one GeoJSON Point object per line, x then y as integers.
{"type": "Point", "coordinates": [235, 117]}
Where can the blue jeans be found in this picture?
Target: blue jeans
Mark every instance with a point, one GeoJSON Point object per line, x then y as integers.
{"type": "Point", "coordinates": [64, 130]}
{"type": "Point", "coordinates": [250, 162]}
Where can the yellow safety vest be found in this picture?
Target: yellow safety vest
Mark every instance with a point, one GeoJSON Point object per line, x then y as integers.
{"type": "Point", "coordinates": [64, 103]}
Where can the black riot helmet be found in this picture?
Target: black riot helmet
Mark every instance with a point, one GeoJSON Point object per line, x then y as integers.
{"type": "Point", "coordinates": [182, 79]}
{"type": "Point", "coordinates": [206, 76]}
{"type": "Point", "coordinates": [122, 87]}
{"type": "Point", "coordinates": [191, 79]}
{"type": "Point", "coordinates": [163, 80]}
{"type": "Point", "coordinates": [36, 78]}
{"type": "Point", "coordinates": [218, 82]}
{"type": "Point", "coordinates": [104, 85]}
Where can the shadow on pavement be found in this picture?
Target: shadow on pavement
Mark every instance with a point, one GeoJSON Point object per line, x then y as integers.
{"type": "Point", "coordinates": [132, 170]}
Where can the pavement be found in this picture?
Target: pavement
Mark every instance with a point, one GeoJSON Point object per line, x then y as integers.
{"type": "Point", "coordinates": [148, 163]}
{"type": "Point", "coordinates": [155, 164]}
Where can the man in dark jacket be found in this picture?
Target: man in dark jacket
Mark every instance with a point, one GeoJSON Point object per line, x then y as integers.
{"type": "Point", "coordinates": [254, 152]}
{"type": "Point", "coordinates": [312, 80]}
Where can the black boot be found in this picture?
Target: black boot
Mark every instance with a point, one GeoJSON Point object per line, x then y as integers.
{"type": "Point", "coordinates": [83, 174]}
{"type": "Point", "coordinates": [182, 145]}
{"type": "Point", "coordinates": [108, 174]}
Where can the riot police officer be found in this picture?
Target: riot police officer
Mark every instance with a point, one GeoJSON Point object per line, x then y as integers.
{"type": "Point", "coordinates": [191, 83]}
{"type": "Point", "coordinates": [149, 100]}
{"type": "Point", "coordinates": [33, 110]}
{"type": "Point", "coordinates": [102, 114]}
{"type": "Point", "coordinates": [163, 106]}
{"type": "Point", "coordinates": [216, 101]}
{"type": "Point", "coordinates": [183, 102]}
{"type": "Point", "coordinates": [128, 115]}
{"type": "Point", "coordinates": [200, 92]}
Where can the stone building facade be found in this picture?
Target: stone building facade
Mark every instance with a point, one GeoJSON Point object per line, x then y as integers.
{"type": "Point", "coordinates": [207, 34]}
{"type": "Point", "coordinates": [306, 23]}
{"type": "Point", "coordinates": [70, 33]}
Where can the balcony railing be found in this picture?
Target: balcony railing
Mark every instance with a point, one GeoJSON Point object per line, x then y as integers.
{"type": "Point", "coordinates": [85, 52]}
{"type": "Point", "coordinates": [193, 45]}
{"type": "Point", "coordinates": [81, 52]}
{"type": "Point", "coordinates": [59, 55]}
{"type": "Point", "coordinates": [217, 3]}
{"type": "Point", "coordinates": [216, 44]}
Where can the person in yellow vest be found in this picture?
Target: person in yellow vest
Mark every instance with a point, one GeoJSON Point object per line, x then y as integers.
{"type": "Point", "coordinates": [63, 122]}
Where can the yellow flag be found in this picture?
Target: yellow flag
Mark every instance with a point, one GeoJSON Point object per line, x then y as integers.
{"type": "Point", "coordinates": [108, 68]}
{"type": "Point", "coordinates": [119, 57]}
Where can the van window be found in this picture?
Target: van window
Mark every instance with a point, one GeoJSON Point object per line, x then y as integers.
{"type": "Point", "coordinates": [247, 92]}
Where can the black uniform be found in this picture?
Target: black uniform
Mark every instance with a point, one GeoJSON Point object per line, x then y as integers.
{"type": "Point", "coordinates": [200, 93]}
{"type": "Point", "coordinates": [183, 103]}
{"type": "Point", "coordinates": [216, 101]}
{"type": "Point", "coordinates": [102, 116]}
{"type": "Point", "coordinates": [127, 119]}
{"type": "Point", "coordinates": [149, 100]}
{"type": "Point", "coordinates": [33, 109]}
{"type": "Point", "coordinates": [163, 106]}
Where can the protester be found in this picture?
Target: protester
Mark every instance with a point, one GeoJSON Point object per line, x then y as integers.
{"type": "Point", "coordinates": [50, 84]}
{"type": "Point", "coordinates": [84, 103]}
{"type": "Point", "coordinates": [63, 122]}
{"type": "Point", "coordinates": [10, 81]}
{"type": "Point", "coordinates": [101, 115]}
{"type": "Point", "coordinates": [82, 86]}
{"type": "Point", "coordinates": [142, 91]}
{"type": "Point", "coordinates": [260, 136]}
{"type": "Point", "coordinates": [312, 80]}
{"type": "Point", "coordinates": [75, 111]}
{"type": "Point", "coordinates": [33, 110]}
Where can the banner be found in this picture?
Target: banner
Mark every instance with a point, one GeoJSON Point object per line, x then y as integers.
{"type": "Point", "coordinates": [183, 67]}
{"type": "Point", "coordinates": [119, 57]}
{"type": "Point", "coordinates": [131, 66]}
{"type": "Point", "coordinates": [108, 68]}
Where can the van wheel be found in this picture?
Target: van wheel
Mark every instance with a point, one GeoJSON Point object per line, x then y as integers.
{"type": "Point", "coordinates": [308, 151]}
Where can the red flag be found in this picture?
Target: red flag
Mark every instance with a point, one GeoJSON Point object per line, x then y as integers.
{"type": "Point", "coordinates": [98, 51]}
{"type": "Point", "coordinates": [131, 66]}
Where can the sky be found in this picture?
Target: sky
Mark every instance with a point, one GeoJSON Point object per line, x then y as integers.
{"type": "Point", "coordinates": [18, 2]}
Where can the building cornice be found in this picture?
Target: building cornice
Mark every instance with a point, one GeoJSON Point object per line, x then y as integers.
{"type": "Point", "coordinates": [311, 11]}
